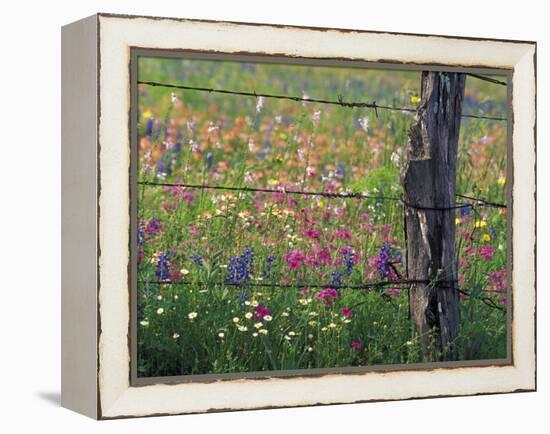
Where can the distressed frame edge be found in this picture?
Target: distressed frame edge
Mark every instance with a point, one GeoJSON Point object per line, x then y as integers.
{"type": "Point", "coordinates": [109, 414]}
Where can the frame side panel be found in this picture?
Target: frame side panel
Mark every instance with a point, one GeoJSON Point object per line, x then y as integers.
{"type": "Point", "coordinates": [79, 217]}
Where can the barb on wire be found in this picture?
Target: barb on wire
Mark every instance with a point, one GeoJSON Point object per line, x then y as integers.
{"type": "Point", "coordinates": [482, 201]}
{"type": "Point", "coordinates": [339, 101]}
{"type": "Point", "coordinates": [479, 202]}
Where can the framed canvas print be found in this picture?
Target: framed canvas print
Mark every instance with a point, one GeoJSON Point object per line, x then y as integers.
{"type": "Point", "coordinates": [261, 216]}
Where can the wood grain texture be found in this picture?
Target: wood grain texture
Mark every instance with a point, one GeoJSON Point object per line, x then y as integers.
{"type": "Point", "coordinates": [429, 180]}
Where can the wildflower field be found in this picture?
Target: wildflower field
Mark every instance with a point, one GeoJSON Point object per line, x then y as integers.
{"type": "Point", "coordinates": [270, 231]}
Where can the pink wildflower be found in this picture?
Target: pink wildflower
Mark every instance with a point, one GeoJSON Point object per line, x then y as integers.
{"type": "Point", "coordinates": [356, 345]}
{"type": "Point", "coordinates": [393, 291]}
{"type": "Point", "coordinates": [188, 196]}
{"type": "Point", "coordinates": [343, 233]}
{"type": "Point", "coordinates": [486, 252]}
{"type": "Point", "coordinates": [497, 280]}
{"type": "Point", "coordinates": [261, 312]}
{"type": "Point", "coordinates": [313, 233]}
{"type": "Point", "coordinates": [323, 256]}
{"type": "Point", "coordinates": [327, 295]}
{"type": "Point", "coordinates": [294, 259]}
{"type": "Point", "coordinates": [346, 311]}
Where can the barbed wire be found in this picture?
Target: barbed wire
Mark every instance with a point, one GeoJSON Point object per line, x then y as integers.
{"type": "Point", "coordinates": [485, 78]}
{"type": "Point", "coordinates": [378, 285]}
{"type": "Point", "coordinates": [339, 101]}
{"type": "Point", "coordinates": [353, 195]}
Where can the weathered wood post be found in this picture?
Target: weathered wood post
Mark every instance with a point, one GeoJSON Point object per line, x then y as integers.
{"type": "Point", "coordinates": [429, 181]}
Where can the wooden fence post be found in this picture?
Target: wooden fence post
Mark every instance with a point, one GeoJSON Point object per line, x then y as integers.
{"type": "Point", "coordinates": [429, 181]}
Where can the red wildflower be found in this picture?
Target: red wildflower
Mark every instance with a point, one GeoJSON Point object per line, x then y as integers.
{"type": "Point", "coordinates": [356, 345]}
{"type": "Point", "coordinates": [261, 312]}
{"type": "Point", "coordinates": [346, 311]}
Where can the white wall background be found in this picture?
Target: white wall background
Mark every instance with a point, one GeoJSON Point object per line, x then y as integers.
{"type": "Point", "coordinates": [30, 217]}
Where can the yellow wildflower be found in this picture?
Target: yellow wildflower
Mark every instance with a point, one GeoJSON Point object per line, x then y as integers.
{"type": "Point", "coordinates": [415, 100]}
{"type": "Point", "coordinates": [486, 237]}
{"type": "Point", "coordinates": [481, 224]}
{"type": "Point", "coordinates": [501, 181]}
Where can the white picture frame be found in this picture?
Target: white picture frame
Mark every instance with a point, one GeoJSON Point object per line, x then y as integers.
{"type": "Point", "coordinates": [96, 303]}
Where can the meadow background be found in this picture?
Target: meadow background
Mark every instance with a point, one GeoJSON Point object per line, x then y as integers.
{"type": "Point", "coordinates": [235, 281]}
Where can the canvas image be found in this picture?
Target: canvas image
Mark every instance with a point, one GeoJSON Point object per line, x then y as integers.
{"type": "Point", "coordinates": [295, 216]}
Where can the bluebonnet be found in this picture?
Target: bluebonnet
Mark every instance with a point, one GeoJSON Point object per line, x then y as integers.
{"type": "Point", "coordinates": [196, 259]}
{"type": "Point", "coordinates": [340, 171]}
{"type": "Point", "coordinates": [337, 278]}
{"type": "Point", "coordinates": [149, 127]}
{"type": "Point", "coordinates": [240, 268]}
{"type": "Point", "coordinates": [209, 160]}
{"type": "Point", "coordinates": [153, 227]}
{"type": "Point", "coordinates": [269, 266]}
{"type": "Point", "coordinates": [163, 271]}
{"type": "Point", "coordinates": [162, 168]}
{"type": "Point", "coordinates": [464, 211]}
{"type": "Point", "coordinates": [384, 256]}
{"type": "Point", "coordinates": [177, 146]}
{"type": "Point", "coordinates": [349, 260]}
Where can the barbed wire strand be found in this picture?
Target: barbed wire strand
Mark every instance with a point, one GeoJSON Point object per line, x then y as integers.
{"type": "Point", "coordinates": [364, 287]}
{"type": "Point", "coordinates": [479, 201]}
{"type": "Point", "coordinates": [485, 78]}
{"type": "Point", "coordinates": [340, 101]}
